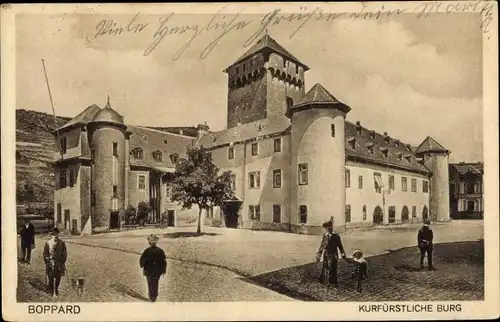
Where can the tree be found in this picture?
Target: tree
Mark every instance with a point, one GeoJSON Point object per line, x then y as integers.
{"type": "Point", "coordinates": [197, 182]}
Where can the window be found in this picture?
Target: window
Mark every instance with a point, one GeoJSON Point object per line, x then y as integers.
{"type": "Point", "coordinates": [59, 213]}
{"type": "Point", "coordinates": [115, 149]}
{"type": "Point", "coordinates": [62, 179]}
{"type": "Point", "coordinates": [399, 155]}
{"type": "Point", "coordinates": [425, 186]}
{"type": "Point", "coordinates": [370, 148]}
{"type": "Point", "coordinates": [254, 179]}
{"type": "Point", "coordinates": [141, 182]}
{"type": "Point", "coordinates": [332, 129]}
{"type": "Point", "coordinates": [470, 188]}
{"type": "Point", "coordinates": [404, 184]}
{"type": "Point", "coordinates": [347, 178]}
{"type": "Point", "coordinates": [392, 214]}
{"type": "Point", "coordinates": [254, 212]}
{"type": "Point", "coordinates": [364, 212]}
{"type": "Point", "coordinates": [303, 214]}
{"type": "Point", "coordinates": [413, 211]}
{"type": "Point", "coordinates": [277, 213]}
{"type": "Point", "coordinates": [237, 69]}
{"type": "Point", "coordinates": [303, 174]}
{"type": "Point", "coordinates": [158, 156]}
{"type": "Point", "coordinates": [233, 181]}
{"type": "Point", "coordinates": [230, 153]}
{"type": "Point", "coordinates": [277, 178]}
{"type": "Point", "coordinates": [372, 135]}
{"type": "Point", "coordinates": [470, 205]}
{"type": "Point", "coordinates": [168, 191]}
{"type": "Point", "coordinates": [289, 102]}
{"type": "Point", "coordinates": [137, 153]}
{"type": "Point", "coordinates": [115, 191]}
{"type": "Point", "coordinates": [384, 152]}
{"type": "Point", "coordinates": [348, 214]}
{"type": "Point", "coordinates": [92, 155]}
{"type": "Point", "coordinates": [64, 145]}
{"type": "Point", "coordinates": [277, 145]}
{"type": "Point", "coordinates": [71, 177]}
{"type": "Point", "coordinates": [255, 148]}
{"type": "Point", "coordinates": [352, 143]}
{"type": "Point", "coordinates": [360, 182]}
{"type": "Point", "coordinates": [413, 185]}
{"type": "Point", "coordinates": [174, 157]}
{"type": "Point", "coordinates": [377, 181]}
{"type": "Point", "coordinates": [391, 182]}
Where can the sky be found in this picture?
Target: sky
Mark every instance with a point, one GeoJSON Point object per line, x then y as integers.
{"type": "Point", "coordinates": [409, 77]}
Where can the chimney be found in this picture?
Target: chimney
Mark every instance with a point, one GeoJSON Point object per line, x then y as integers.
{"type": "Point", "coordinates": [358, 123]}
{"type": "Point", "coordinates": [385, 133]}
{"type": "Point", "coordinates": [202, 129]}
{"type": "Point", "coordinates": [358, 127]}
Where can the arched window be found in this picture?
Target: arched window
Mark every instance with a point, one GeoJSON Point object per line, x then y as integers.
{"type": "Point", "coordinates": [157, 156]}
{"type": "Point", "coordinates": [405, 214]}
{"type": "Point", "coordinates": [174, 157]}
{"type": "Point", "coordinates": [137, 153]}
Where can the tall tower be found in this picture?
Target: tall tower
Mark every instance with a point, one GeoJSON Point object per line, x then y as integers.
{"type": "Point", "coordinates": [318, 161]}
{"type": "Point", "coordinates": [107, 142]}
{"type": "Point", "coordinates": [435, 158]}
{"type": "Point", "coordinates": [263, 82]}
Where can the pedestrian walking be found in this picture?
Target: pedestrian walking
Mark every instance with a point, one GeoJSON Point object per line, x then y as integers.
{"type": "Point", "coordinates": [359, 269]}
{"type": "Point", "coordinates": [425, 239]}
{"type": "Point", "coordinates": [27, 240]}
{"type": "Point", "coordinates": [54, 256]}
{"type": "Point", "coordinates": [327, 253]}
{"type": "Point", "coordinates": [154, 264]}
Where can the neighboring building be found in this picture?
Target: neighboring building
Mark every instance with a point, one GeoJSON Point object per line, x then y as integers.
{"type": "Point", "coordinates": [295, 161]}
{"type": "Point", "coordinates": [466, 190]}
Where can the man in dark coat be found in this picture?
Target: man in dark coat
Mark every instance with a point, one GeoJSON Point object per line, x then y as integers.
{"type": "Point", "coordinates": [27, 240]}
{"type": "Point", "coordinates": [425, 238]}
{"type": "Point", "coordinates": [328, 254]}
{"type": "Point", "coordinates": [55, 255]}
{"type": "Point", "coordinates": [154, 264]}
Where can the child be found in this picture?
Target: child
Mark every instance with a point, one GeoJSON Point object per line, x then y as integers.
{"type": "Point", "coordinates": [360, 267]}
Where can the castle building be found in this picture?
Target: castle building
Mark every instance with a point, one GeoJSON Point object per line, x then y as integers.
{"type": "Point", "coordinates": [466, 190]}
{"type": "Point", "coordinates": [295, 160]}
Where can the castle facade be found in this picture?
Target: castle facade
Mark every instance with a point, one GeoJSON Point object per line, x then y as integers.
{"type": "Point", "coordinates": [295, 160]}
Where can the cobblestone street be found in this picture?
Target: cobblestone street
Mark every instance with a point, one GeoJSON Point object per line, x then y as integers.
{"type": "Point", "coordinates": [227, 265]}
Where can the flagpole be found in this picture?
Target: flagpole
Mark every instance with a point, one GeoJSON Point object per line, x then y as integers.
{"type": "Point", "coordinates": [52, 104]}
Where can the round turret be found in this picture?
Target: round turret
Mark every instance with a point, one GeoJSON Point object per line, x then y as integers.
{"type": "Point", "coordinates": [107, 142]}
{"type": "Point", "coordinates": [318, 161]}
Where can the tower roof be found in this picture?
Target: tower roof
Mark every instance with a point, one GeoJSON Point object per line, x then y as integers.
{"type": "Point", "coordinates": [318, 95]}
{"type": "Point", "coordinates": [107, 114]}
{"type": "Point", "coordinates": [268, 43]}
{"type": "Point", "coordinates": [83, 118]}
{"type": "Point", "coordinates": [430, 145]}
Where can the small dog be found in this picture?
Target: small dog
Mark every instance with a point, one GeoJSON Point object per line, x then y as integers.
{"type": "Point", "coordinates": [78, 284]}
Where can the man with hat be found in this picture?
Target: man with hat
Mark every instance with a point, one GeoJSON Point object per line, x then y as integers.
{"type": "Point", "coordinates": [328, 254]}
{"type": "Point", "coordinates": [27, 240]}
{"type": "Point", "coordinates": [154, 264]}
{"type": "Point", "coordinates": [425, 238]}
{"type": "Point", "coordinates": [54, 256]}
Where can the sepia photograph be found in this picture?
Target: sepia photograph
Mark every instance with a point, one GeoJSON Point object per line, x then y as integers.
{"type": "Point", "coordinates": [251, 153]}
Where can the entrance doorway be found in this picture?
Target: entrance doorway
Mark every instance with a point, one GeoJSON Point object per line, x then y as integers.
{"type": "Point", "coordinates": [378, 216]}
{"type": "Point", "coordinates": [405, 214]}
{"type": "Point", "coordinates": [230, 210]}
{"type": "Point", "coordinates": [425, 213]}
{"type": "Point", "coordinates": [114, 220]}
{"type": "Point", "coordinates": [67, 217]}
{"type": "Point", "coordinates": [170, 218]}
{"type": "Point", "coordinates": [74, 228]}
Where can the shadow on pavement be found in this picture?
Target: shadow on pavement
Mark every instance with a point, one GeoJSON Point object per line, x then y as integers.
{"type": "Point", "coordinates": [38, 285]}
{"type": "Point", "coordinates": [127, 291]}
{"type": "Point", "coordinates": [391, 277]}
{"type": "Point", "coordinates": [186, 234]}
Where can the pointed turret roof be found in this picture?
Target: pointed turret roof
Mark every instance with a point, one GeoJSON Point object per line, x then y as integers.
{"type": "Point", "coordinates": [319, 96]}
{"type": "Point", "coordinates": [430, 145]}
{"type": "Point", "coordinates": [268, 43]}
{"type": "Point", "coordinates": [107, 114]}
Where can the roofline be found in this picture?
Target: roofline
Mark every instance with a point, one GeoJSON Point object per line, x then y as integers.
{"type": "Point", "coordinates": [304, 66]}
{"type": "Point", "coordinates": [163, 132]}
{"type": "Point", "coordinates": [355, 157]}
{"type": "Point", "coordinates": [322, 105]}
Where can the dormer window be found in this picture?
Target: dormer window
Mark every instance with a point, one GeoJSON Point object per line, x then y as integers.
{"type": "Point", "coordinates": [408, 147]}
{"type": "Point", "coordinates": [157, 156]}
{"type": "Point", "coordinates": [174, 157]}
{"type": "Point", "coordinates": [408, 158]}
{"type": "Point", "coordinates": [260, 127]}
{"type": "Point", "coordinates": [359, 129]}
{"type": "Point", "coordinates": [372, 135]}
{"type": "Point", "coordinates": [387, 140]}
{"type": "Point", "coordinates": [399, 155]}
{"type": "Point", "coordinates": [396, 143]}
{"type": "Point", "coordinates": [352, 143]}
{"type": "Point", "coordinates": [369, 146]}
{"type": "Point", "coordinates": [137, 153]}
{"type": "Point", "coordinates": [384, 152]}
